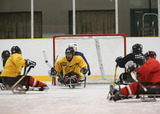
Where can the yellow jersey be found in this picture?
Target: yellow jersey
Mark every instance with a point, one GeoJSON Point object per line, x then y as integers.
{"type": "Point", "coordinates": [13, 66]}
{"type": "Point", "coordinates": [74, 65]}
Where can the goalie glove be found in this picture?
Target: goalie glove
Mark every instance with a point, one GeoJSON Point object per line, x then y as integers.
{"type": "Point", "coordinates": [84, 70]}
{"type": "Point", "coordinates": [53, 71]}
{"type": "Point", "coordinates": [30, 63]}
{"type": "Point", "coordinates": [131, 66]}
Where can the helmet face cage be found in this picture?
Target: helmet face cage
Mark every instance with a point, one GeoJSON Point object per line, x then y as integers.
{"type": "Point", "coordinates": [15, 49]}
{"type": "Point", "coordinates": [69, 50]}
{"type": "Point", "coordinates": [150, 54]}
{"type": "Point", "coordinates": [137, 48]}
{"type": "Point", "coordinates": [74, 45]}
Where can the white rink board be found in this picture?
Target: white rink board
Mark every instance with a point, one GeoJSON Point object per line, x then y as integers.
{"type": "Point", "coordinates": [148, 43]}
{"type": "Point", "coordinates": [33, 50]}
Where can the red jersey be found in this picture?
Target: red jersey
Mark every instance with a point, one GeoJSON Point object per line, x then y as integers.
{"type": "Point", "coordinates": [150, 71]}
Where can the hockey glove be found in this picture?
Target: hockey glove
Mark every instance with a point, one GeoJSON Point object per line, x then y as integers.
{"type": "Point", "coordinates": [84, 70]}
{"type": "Point", "coordinates": [30, 63]}
{"type": "Point", "coordinates": [118, 59]}
{"type": "Point", "coordinates": [53, 71]}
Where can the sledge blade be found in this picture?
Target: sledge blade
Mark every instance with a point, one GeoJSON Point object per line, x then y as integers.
{"type": "Point", "coordinates": [148, 99]}
{"type": "Point", "coordinates": [18, 91]}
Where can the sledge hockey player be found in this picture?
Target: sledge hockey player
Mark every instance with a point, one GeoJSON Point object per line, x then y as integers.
{"type": "Point", "coordinates": [72, 67]}
{"type": "Point", "coordinates": [12, 71]}
{"type": "Point", "coordinates": [149, 77]}
{"type": "Point", "coordinates": [5, 55]}
{"type": "Point", "coordinates": [136, 56]}
{"type": "Point", "coordinates": [75, 47]}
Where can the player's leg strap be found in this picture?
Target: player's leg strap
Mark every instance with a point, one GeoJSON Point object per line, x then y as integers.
{"type": "Point", "coordinates": [28, 83]}
{"type": "Point", "coordinates": [127, 93]}
{"type": "Point", "coordinates": [137, 92]}
{"type": "Point", "coordinates": [37, 84]}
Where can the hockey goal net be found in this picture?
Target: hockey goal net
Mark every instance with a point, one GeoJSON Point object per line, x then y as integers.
{"type": "Point", "coordinates": [99, 50]}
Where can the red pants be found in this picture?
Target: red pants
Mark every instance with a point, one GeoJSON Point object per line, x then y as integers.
{"type": "Point", "coordinates": [33, 82]}
{"type": "Point", "coordinates": [130, 89]}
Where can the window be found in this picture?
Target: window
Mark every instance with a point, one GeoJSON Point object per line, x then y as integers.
{"type": "Point", "coordinates": [18, 25]}
{"type": "Point", "coordinates": [93, 22]}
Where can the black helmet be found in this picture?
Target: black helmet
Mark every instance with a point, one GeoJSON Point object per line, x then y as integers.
{"type": "Point", "coordinates": [70, 50]}
{"type": "Point", "coordinates": [137, 48]}
{"type": "Point", "coordinates": [15, 49]}
{"type": "Point", "coordinates": [150, 54]}
{"type": "Point", "coordinates": [5, 54]}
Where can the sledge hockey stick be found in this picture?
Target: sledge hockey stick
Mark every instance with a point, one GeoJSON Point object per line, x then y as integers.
{"type": "Point", "coordinates": [46, 61]}
{"type": "Point", "coordinates": [134, 76]}
{"type": "Point", "coordinates": [21, 77]}
{"type": "Point", "coordinates": [49, 65]}
{"type": "Point", "coordinates": [115, 75]}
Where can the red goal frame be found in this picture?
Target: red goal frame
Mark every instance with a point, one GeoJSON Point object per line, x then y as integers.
{"type": "Point", "coordinates": [82, 35]}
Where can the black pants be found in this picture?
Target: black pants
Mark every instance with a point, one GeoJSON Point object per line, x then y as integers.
{"type": "Point", "coordinates": [151, 88]}
{"type": "Point", "coordinates": [10, 81]}
{"type": "Point", "coordinates": [0, 80]}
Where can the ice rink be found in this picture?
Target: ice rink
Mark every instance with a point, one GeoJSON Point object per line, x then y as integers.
{"type": "Point", "coordinates": [62, 100]}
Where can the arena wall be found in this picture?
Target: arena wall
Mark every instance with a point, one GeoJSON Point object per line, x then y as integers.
{"type": "Point", "coordinates": [33, 49]}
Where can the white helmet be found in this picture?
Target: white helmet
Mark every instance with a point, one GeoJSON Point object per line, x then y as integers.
{"type": "Point", "coordinates": [74, 45]}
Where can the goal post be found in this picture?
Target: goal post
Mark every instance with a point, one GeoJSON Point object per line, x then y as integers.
{"type": "Point", "coordinates": [100, 50]}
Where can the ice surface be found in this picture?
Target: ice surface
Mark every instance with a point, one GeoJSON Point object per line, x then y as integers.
{"type": "Point", "coordinates": [62, 100]}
